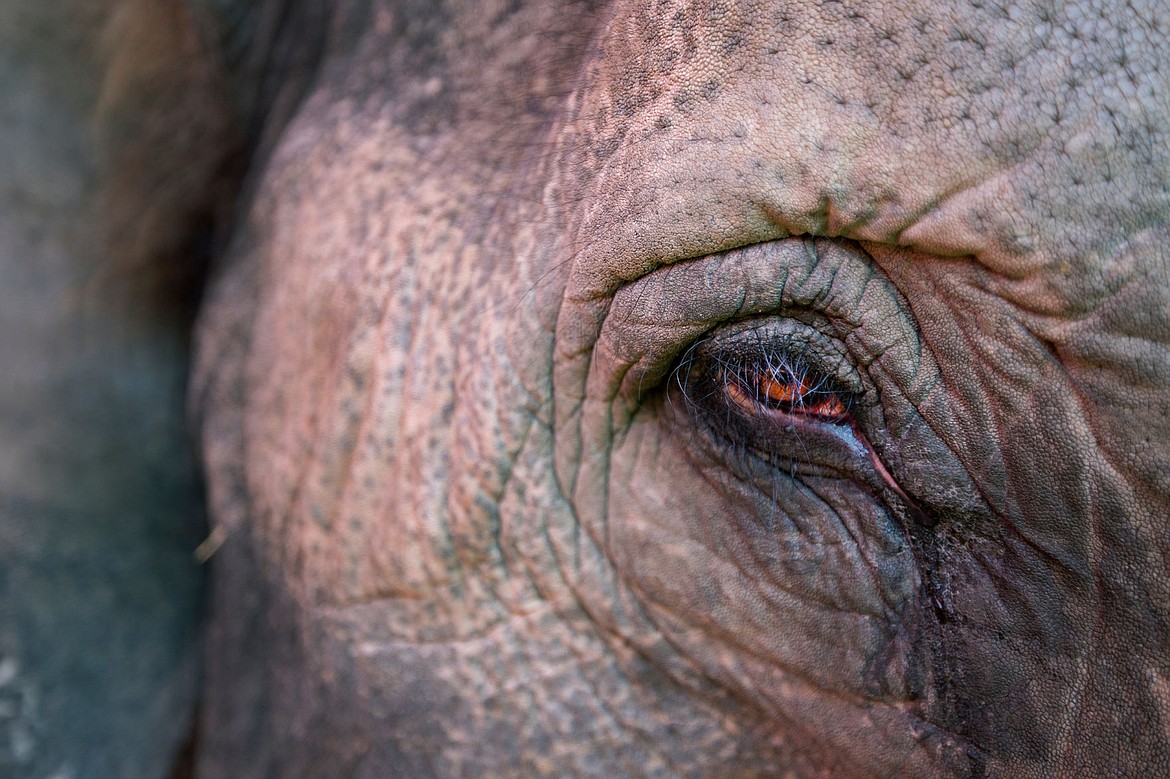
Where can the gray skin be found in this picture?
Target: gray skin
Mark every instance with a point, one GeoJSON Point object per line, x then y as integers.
{"type": "Point", "coordinates": [483, 504]}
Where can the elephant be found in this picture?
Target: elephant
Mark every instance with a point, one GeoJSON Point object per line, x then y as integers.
{"type": "Point", "coordinates": [643, 388]}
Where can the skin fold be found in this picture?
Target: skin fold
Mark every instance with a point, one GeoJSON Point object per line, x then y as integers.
{"type": "Point", "coordinates": [506, 380]}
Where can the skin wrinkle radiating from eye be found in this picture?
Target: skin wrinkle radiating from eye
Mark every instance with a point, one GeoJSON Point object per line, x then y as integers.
{"type": "Point", "coordinates": [1062, 560]}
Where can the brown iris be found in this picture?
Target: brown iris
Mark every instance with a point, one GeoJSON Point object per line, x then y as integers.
{"type": "Point", "coordinates": [785, 388]}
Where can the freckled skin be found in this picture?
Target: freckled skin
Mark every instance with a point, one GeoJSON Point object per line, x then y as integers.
{"type": "Point", "coordinates": [487, 505]}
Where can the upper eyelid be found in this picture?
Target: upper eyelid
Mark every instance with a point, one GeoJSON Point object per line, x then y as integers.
{"type": "Point", "coordinates": [783, 341]}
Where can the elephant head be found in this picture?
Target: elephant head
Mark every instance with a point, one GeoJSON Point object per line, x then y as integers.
{"type": "Point", "coordinates": [712, 388]}
{"type": "Point", "coordinates": [695, 388]}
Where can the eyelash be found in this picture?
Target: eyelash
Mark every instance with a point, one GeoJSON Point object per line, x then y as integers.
{"type": "Point", "coordinates": [815, 427]}
{"type": "Point", "coordinates": [759, 390]}
{"type": "Point", "coordinates": [777, 382]}
{"type": "Point", "coordinates": [761, 381]}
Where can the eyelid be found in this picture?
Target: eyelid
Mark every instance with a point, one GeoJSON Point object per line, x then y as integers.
{"type": "Point", "coordinates": [785, 346]}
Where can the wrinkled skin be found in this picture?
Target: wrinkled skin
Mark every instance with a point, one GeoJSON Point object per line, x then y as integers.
{"type": "Point", "coordinates": [483, 507]}
{"type": "Point", "coordinates": [490, 536]}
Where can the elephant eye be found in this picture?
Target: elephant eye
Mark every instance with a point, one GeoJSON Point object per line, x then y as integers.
{"type": "Point", "coordinates": [777, 387]}
{"type": "Point", "coordinates": [788, 387]}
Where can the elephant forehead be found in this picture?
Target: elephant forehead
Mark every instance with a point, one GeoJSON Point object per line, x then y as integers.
{"type": "Point", "coordinates": [990, 130]}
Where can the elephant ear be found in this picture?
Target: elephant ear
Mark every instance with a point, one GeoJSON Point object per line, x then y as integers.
{"type": "Point", "coordinates": [122, 130]}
